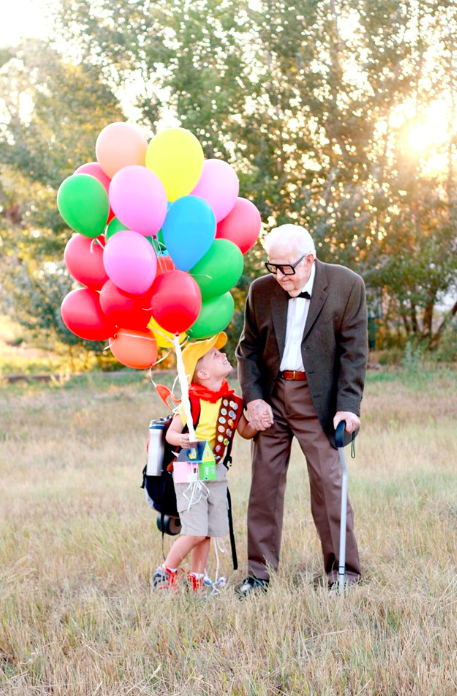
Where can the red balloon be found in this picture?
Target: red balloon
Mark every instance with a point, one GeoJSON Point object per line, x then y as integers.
{"type": "Point", "coordinates": [84, 260]}
{"type": "Point", "coordinates": [164, 264]}
{"type": "Point", "coordinates": [82, 314]}
{"type": "Point", "coordinates": [176, 301]}
{"type": "Point", "coordinates": [241, 226]}
{"type": "Point", "coordinates": [137, 349]}
{"type": "Point", "coordinates": [128, 311]}
{"type": "Point", "coordinates": [94, 169]}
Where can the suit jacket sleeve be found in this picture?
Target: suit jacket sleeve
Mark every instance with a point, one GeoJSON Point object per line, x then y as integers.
{"type": "Point", "coordinates": [249, 355]}
{"type": "Point", "coordinates": [353, 351]}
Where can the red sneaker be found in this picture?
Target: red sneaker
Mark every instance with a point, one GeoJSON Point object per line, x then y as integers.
{"type": "Point", "coordinates": [196, 584]}
{"type": "Point", "coordinates": [165, 579]}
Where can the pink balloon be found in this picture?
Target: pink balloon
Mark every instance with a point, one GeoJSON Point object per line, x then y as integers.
{"type": "Point", "coordinates": [130, 262]}
{"type": "Point", "coordinates": [139, 199]}
{"type": "Point", "coordinates": [119, 145]}
{"type": "Point", "coordinates": [84, 259]}
{"type": "Point", "coordinates": [219, 186]}
{"type": "Point", "coordinates": [82, 314]}
{"type": "Point", "coordinates": [94, 169]}
{"type": "Point", "coordinates": [241, 226]}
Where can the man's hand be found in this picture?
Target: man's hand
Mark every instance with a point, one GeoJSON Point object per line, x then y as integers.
{"type": "Point", "coordinates": [352, 421]}
{"type": "Point", "coordinates": [260, 414]}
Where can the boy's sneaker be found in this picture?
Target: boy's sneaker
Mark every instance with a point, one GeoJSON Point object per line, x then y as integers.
{"type": "Point", "coordinates": [165, 579]}
{"type": "Point", "coordinates": [196, 584]}
{"type": "Point", "coordinates": [252, 586]}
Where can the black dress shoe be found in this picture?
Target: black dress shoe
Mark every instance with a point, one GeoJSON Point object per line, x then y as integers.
{"type": "Point", "coordinates": [251, 586]}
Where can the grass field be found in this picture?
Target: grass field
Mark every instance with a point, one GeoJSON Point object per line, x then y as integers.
{"type": "Point", "coordinates": [78, 545]}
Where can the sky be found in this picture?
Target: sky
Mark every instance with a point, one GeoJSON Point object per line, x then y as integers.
{"type": "Point", "coordinates": [23, 18]}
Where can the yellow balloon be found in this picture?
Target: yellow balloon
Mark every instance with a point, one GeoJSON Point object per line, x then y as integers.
{"type": "Point", "coordinates": [176, 156]}
{"type": "Point", "coordinates": [164, 338]}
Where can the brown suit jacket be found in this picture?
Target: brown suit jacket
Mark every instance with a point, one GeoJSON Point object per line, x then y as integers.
{"type": "Point", "coordinates": [334, 345]}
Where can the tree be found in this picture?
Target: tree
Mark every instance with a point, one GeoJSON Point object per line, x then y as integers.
{"type": "Point", "coordinates": [53, 112]}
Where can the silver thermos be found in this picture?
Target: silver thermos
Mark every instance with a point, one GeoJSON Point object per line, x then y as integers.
{"type": "Point", "coordinates": [156, 447]}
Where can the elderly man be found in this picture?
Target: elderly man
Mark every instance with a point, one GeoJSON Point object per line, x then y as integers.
{"type": "Point", "coordinates": [301, 364]}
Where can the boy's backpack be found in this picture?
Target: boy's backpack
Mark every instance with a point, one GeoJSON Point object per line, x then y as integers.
{"type": "Point", "coordinates": [160, 490]}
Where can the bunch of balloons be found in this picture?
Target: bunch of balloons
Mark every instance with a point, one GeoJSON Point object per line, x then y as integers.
{"type": "Point", "coordinates": [160, 240]}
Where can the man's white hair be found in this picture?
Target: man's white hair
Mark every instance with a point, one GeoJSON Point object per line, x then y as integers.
{"type": "Point", "coordinates": [290, 237]}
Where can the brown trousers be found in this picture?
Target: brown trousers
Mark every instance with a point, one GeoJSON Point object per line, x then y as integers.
{"type": "Point", "coordinates": [295, 415]}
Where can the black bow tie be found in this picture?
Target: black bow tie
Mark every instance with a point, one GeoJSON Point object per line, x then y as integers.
{"type": "Point", "coordinates": [305, 295]}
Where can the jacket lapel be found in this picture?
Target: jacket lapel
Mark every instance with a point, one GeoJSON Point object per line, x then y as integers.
{"type": "Point", "coordinates": [318, 298]}
{"type": "Point", "coordinates": [278, 304]}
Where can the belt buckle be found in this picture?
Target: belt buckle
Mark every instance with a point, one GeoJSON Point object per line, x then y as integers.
{"type": "Point", "coordinates": [294, 373]}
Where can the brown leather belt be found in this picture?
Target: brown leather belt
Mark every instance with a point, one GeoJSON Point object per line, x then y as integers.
{"type": "Point", "coordinates": [293, 374]}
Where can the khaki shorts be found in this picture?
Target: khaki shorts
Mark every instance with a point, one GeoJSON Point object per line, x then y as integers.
{"type": "Point", "coordinates": [208, 516]}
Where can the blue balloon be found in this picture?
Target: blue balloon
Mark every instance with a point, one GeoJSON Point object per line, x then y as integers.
{"type": "Point", "coordinates": [188, 231]}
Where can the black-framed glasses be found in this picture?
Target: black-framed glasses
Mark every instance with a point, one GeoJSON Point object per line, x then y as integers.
{"type": "Point", "coordinates": [285, 268]}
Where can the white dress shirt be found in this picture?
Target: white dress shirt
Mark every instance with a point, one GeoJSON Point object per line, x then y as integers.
{"type": "Point", "coordinates": [297, 312]}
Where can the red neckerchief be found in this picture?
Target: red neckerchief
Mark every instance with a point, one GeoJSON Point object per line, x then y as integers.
{"type": "Point", "coordinates": [198, 391]}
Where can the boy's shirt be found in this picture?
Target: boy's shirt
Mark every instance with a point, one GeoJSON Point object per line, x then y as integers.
{"type": "Point", "coordinates": [207, 422]}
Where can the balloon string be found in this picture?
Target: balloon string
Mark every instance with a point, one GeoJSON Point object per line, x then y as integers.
{"type": "Point", "coordinates": [167, 337]}
{"type": "Point", "coordinates": [184, 389]}
{"type": "Point", "coordinates": [157, 246]}
{"type": "Point", "coordinates": [201, 275]}
{"type": "Point", "coordinates": [174, 383]}
{"type": "Point", "coordinates": [95, 241]}
{"type": "Point", "coordinates": [159, 361]}
{"type": "Point", "coordinates": [164, 335]}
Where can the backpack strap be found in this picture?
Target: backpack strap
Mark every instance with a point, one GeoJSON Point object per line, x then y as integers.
{"type": "Point", "coordinates": [231, 531]}
{"type": "Point", "coordinates": [227, 463]}
{"type": "Point", "coordinates": [195, 409]}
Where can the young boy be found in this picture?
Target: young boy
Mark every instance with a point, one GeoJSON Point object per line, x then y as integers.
{"type": "Point", "coordinates": [220, 414]}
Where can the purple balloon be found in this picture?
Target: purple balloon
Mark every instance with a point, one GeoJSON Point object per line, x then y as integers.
{"type": "Point", "coordinates": [130, 262]}
{"type": "Point", "coordinates": [138, 199]}
{"type": "Point", "coordinates": [219, 186]}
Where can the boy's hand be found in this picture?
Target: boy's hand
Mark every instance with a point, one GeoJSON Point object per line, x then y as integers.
{"type": "Point", "coordinates": [183, 441]}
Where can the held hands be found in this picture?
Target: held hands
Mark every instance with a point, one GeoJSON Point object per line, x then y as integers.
{"type": "Point", "coordinates": [352, 421]}
{"type": "Point", "coordinates": [260, 414]}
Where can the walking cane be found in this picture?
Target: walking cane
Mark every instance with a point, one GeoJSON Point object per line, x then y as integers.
{"type": "Point", "coordinates": [339, 441]}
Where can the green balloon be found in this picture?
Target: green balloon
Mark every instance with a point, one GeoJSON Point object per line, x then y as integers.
{"type": "Point", "coordinates": [219, 269]}
{"type": "Point", "coordinates": [114, 226]}
{"type": "Point", "coordinates": [214, 316]}
{"type": "Point", "coordinates": [83, 204]}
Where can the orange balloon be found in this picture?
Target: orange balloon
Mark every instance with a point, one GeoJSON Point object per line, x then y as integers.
{"type": "Point", "coordinates": [119, 145]}
{"type": "Point", "coordinates": [137, 349]}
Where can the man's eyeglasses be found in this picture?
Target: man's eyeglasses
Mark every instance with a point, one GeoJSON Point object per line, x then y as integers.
{"type": "Point", "coordinates": [285, 268]}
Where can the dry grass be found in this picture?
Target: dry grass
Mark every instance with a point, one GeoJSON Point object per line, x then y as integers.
{"type": "Point", "coordinates": [78, 545]}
